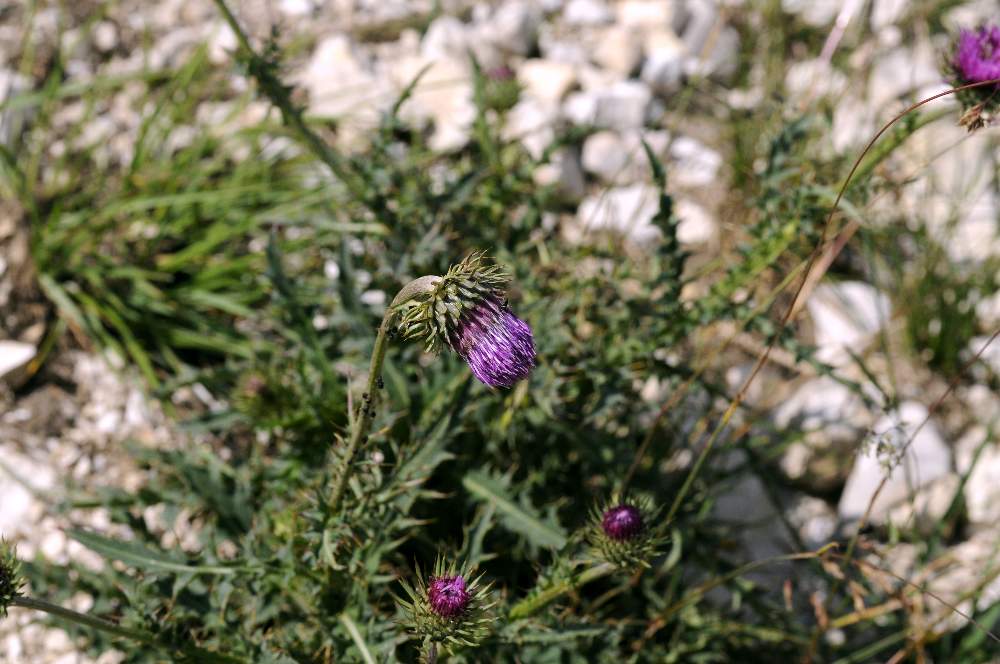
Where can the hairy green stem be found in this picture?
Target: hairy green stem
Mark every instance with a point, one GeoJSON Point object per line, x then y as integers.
{"type": "Point", "coordinates": [534, 603]}
{"type": "Point", "coordinates": [114, 629]}
{"type": "Point", "coordinates": [366, 412]}
{"type": "Point", "coordinates": [84, 619]}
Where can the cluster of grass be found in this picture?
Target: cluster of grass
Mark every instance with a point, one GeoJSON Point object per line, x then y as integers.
{"type": "Point", "coordinates": [208, 263]}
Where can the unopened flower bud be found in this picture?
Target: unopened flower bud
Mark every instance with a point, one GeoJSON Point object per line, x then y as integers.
{"type": "Point", "coordinates": [10, 577]}
{"type": "Point", "coordinates": [449, 608]}
{"type": "Point", "coordinates": [623, 532]}
{"type": "Point", "coordinates": [622, 522]}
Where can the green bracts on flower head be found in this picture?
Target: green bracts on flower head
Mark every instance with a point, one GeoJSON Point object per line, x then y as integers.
{"type": "Point", "coordinates": [10, 578]}
{"type": "Point", "coordinates": [430, 308]}
{"type": "Point", "coordinates": [450, 608]}
{"type": "Point", "coordinates": [625, 531]}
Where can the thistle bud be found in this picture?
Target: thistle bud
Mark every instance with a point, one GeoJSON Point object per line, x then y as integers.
{"type": "Point", "coordinates": [621, 534]}
{"type": "Point", "coordinates": [10, 577]}
{"type": "Point", "coordinates": [447, 596]}
{"type": "Point", "coordinates": [622, 522]}
{"type": "Point", "coordinates": [976, 59]}
{"type": "Point", "coordinates": [447, 608]}
{"type": "Point", "coordinates": [466, 310]}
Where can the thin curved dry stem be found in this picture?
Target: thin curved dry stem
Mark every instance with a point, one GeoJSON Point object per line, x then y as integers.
{"type": "Point", "coordinates": [931, 410]}
{"type": "Point", "coordinates": [829, 252]}
{"type": "Point", "coordinates": [792, 308]}
{"type": "Point", "coordinates": [920, 589]}
{"type": "Point", "coordinates": [699, 591]}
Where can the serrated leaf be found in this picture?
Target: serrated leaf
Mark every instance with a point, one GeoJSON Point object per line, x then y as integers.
{"type": "Point", "coordinates": [514, 516]}
{"type": "Point", "coordinates": [137, 555]}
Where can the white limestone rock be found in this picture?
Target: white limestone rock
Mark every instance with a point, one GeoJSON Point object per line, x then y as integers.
{"type": "Point", "coordinates": [846, 315]}
{"type": "Point", "coordinates": [548, 80]}
{"type": "Point", "coordinates": [618, 50]}
{"type": "Point", "coordinates": [625, 211]}
{"type": "Point", "coordinates": [619, 158]}
{"type": "Point", "coordinates": [14, 359]}
{"type": "Point", "coordinates": [587, 13]}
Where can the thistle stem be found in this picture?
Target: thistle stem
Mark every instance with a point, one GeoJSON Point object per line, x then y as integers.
{"type": "Point", "coordinates": [84, 619]}
{"type": "Point", "coordinates": [193, 652]}
{"type": "Point", "coordinates": [534, 603]}
{"type": "Point", "coordinates": [907, 127]}
{"type": "Point", "coordinates": [366, 413]}
{"type": "Point", "coordinates": [279, 95]}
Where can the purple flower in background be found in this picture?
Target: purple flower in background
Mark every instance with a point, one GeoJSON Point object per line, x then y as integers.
{"type": "Point", "coordinates": [496, 344]}
{"type": "Point", "coordinates": [501, 73]}
{"type": "Point", "coordinates": [448, 596]}
{"type": "Point", "coordinates": [622, 522]}
{"type": "Point", "coordinates": [977, 54]}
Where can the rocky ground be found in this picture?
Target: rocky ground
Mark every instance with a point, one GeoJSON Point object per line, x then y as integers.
{"type": "Point", "coordinates": [65, 413]}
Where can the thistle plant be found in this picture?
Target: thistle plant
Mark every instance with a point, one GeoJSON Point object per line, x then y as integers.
{"type": "Point", "coordinates": [976, 59]}
{"type": "Point", "coordinates": [467, 311]}
{"type": "Point", "coordinates": [622, 531]}
{"type": "Point", "coordinates": [448, 609]}
{"type": "Point", "coordinates": [10, 577]}
{"type": "Point", "coordinates": [11, 595]}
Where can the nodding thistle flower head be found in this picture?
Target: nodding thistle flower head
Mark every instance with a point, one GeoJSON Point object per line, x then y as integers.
{"type": "Point", "coordinates": [10, 577]}
{"type": "Point", "coordinates": [976, 59]}
{"type": "Point", "coordinates": [466, 310]}
{"type": "Point", "coordinates": [621, 531]}
{"type": "Point", "coordinates": [448, 608]}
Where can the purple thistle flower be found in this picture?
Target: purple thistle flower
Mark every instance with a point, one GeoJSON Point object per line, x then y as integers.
{"type": "Point", "coordinates": [496, 344]}
{"type": "Point", "coordinates": [977, 54]}
{"type": "Point", "coordinates": [448, 596]}
{"type": "Point", "coordinates": [622, 522]}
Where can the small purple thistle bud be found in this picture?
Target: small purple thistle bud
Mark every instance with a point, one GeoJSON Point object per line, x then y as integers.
{"type": "Point", "coordinates": [622, 522]}
{"type": "Point", "coordinates": [497, 345]}
{"type": "Point", "coordinates": [501, 73]}
{"type": "Point", "coordinates": [448, 596]}
{"type": "Point", "coordinates": [977, 54]}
